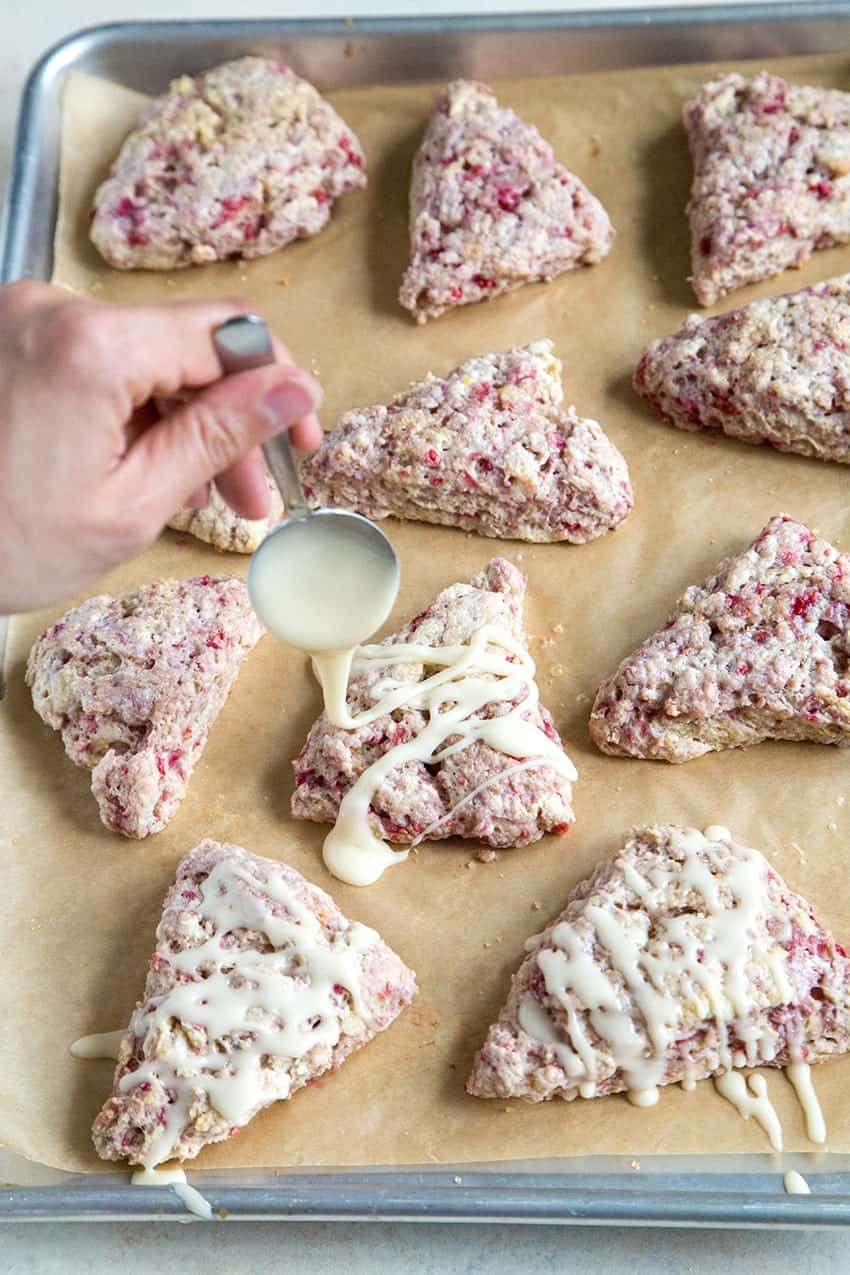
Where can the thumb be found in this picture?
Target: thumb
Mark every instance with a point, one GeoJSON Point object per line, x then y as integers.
{"type": "Point", "coordinates": [214, 429]}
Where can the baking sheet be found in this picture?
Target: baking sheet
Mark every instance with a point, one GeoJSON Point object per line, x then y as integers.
{"type": "Point", "coordinates": [79, 905]}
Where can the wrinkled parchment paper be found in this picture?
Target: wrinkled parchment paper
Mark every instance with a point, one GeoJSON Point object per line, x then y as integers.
{"type": "Point", "coordinates": [79, 905]}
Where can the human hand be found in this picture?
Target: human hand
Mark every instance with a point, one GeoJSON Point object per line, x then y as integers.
{"type": "Point", "coordinates": [89, 471]}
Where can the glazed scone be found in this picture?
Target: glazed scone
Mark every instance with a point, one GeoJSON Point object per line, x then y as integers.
{"type": "Point", "coordinates": [218, 525]}
{"type": "Point", "coordinates": [771, 178]}
{"type": "Point", "coordinates": [760, 650]}
{"type": "Point", "coordinates": [134, 684]}
{"type": "Point", "coordinates": [776, 371]}
{"type": "Point", "coordinates": [461, 793]}
{"type": "Point", "coordinates": [491, 208]}
{"type": "Point", "coordinates": [684, 956]}
{"type": "Point", "coordinates": [257, 986]}
{"type": "Point", "coordinates": [235, 162]}
{"type": "Point", "coordinates": [490, 448]}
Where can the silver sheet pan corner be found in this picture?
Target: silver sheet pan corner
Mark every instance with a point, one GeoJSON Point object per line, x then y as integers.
{"type": "Point", "coordinates": [334, 53]}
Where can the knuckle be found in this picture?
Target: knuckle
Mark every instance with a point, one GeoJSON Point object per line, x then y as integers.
{"type": "Point", "coordinates": [217, 431]}
{"type": "Point", "coordinates": [77, 338]}
{"type": "Point", "coordinates": [21, 294]}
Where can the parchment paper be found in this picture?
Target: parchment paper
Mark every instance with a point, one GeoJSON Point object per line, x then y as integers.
{"type": "Point", "coordinates": [79, 905]}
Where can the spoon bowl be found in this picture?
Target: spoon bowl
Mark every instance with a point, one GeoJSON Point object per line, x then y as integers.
{"type": "Point", "coordinates": [324, 579]}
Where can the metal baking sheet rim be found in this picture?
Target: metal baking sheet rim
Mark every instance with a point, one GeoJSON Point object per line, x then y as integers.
{"type": "Point", "coordinates": [752, 1199]}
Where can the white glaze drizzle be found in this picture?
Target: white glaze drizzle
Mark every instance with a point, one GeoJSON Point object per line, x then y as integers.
{"type": "Point", "coordinates": [643, 1097]}
{"type": "Point", "coordinates": [193, 1200]}
{"type": "Point", "coordinates": [800, 1076]}
{"type": "Point", "coordinates": [332, 670]}
{"type": "Point", "coordinates": [498, 778]}
{"type": "Point", "coordinates": [750, 1098]}
{"type": "Point", "coordinates": [796, 1184]}
{"type": "Point", "coordinates": [491, 669]}
{"type": "Point", "coordinates": [233, 1009]}
{"type": "Point", "coordinates": [189, 1196]}
{"type": "Point", "coordinates": [99, 1045]}
{"type": "Point", "coordinates": [696, 962]}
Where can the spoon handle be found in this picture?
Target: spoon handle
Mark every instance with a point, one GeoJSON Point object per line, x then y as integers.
{"type": "Point", "coordinates": [242, 343]}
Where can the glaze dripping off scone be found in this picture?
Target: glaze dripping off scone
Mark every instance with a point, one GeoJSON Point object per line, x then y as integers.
{"type": "Point", "coordinates": [683, 957]}
{"type": "Point", "coordinates": [491, 769]}
{"type": "Point", "coordinates": [776, 371]}
{"type": "Point", "coordinates": [491, 208]}
{"type": "Point", "coordinates": [760, 650]}
{"type": "Point", "coordinates": [235, 162]}
{"type": "Point", "coordinates": [490, 448]}
{"type": "Point", "coordinates": [134, 685]}
{"type": "Point", "coordinates": [258, 985]}
{"type": "Point", "coordinates": [771, 178]}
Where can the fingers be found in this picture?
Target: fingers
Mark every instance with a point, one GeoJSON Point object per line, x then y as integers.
{"type": "Point", "coordinates": [199, 497]}
{"type": "Point", "coordinates": [165, 349]}
{"type": "Point", "coordinates": [244, 486]}
{"type": "Point", "coordinates": [210, 433]}
{"type": "Point", "coordinates": [25, 295]}
{"type": "Point", "coordinates": [307, 434]}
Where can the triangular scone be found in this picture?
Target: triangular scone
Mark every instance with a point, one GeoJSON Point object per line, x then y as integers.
{"type": "Point", "coordinates": [771, 178]}
{"type": "Point", "coordinates": [258, 986]}
{"type": "Point", "coordinates": [776, 371]}
{"type": "Point", "coordinates": [235, 162]}
{"type": "Point", "coordinates": [489, 448]}
{"type": "Point", "coordinates": [491, 208]}
{"type": "Point", "coordinates": [759, 651]}
{"type": "Point", "coordinates": [134, 685]}
{"type": "Point", "coordinates": [461, 794]}
{"type": "Point", "coordinates": [218, 525]}
{"type": "Point", "coordinates": [682, 957]}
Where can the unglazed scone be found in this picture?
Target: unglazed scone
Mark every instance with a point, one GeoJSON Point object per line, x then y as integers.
{"type": "Point", "coordinates": [771, 178]}
{"type": "Point", "coordinates": [491, 208]}
{"type": "Point", "coordinates": [257, 986]}
{"type": "Point", "coordinates": [477, 791]}
{"type": "Point", "coordinates": [776, 371]}
{"type": "Point", "coordinates": [134, 685]}
{"type": "Point", "coordinates": [235, 162]}
{"type": "Point", "coordinates": [759, 651]}
{"type": "Point", "coordinates": [684, 956]}
{"type": "Point", "coordinates": [218, 525]}
{"type": "Point", "coordinates": [490, 448]}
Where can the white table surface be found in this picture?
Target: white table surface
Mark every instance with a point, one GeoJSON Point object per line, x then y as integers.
{"type": "Point", "coordinates": [364, 1248]}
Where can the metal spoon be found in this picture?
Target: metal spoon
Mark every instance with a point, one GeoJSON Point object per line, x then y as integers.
{"type": "Point", "coordinates": [241, 343]}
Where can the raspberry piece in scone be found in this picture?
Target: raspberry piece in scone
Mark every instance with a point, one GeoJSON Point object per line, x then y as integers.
{"type": "Point", "coordinates": [135, 683]}
{"type": "Point", "coordinates": [491, 208]}
{"type": "Point", "coordinates": [776, 371]}
{"type": "Point", "coordinates": [217, 524]}
{"type": "Point", "coordinates": [684, 956]}
{"type": "Point", "coordinates": [759, 651]}
{"type": "Point", "coordinates": [490, 448]}
{"type": "Point", "coordinates": [257, 986]}
{"type": "Point", "coordinates": [461, 794]}
{"type": "Point", "coordinates": [235, 162]}
{"type": "Point", "coordinates": [771, 178]}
